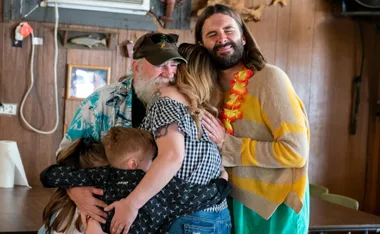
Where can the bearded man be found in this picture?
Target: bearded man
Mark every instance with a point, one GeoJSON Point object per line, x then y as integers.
{"type": "Point", "coordinates": [265, 134]}
{"type": "Point", "coordinates": [155, 64]}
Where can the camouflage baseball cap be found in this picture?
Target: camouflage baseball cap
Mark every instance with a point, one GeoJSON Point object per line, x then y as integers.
{"type": "Point", "coordinates": [157, 48]}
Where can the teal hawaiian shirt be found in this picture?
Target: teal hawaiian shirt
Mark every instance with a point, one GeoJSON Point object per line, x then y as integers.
{"type": "Point", "coordinates": [106, 107]}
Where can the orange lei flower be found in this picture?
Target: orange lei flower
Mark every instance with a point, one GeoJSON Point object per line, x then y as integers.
{"type": "Point", "coordinates": [231, 110]}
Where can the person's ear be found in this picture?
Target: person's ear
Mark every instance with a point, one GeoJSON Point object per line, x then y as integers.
{"type": "Point", "coordinates": [132, 163]}
{"type": "Point", "coordinates": [243, 39]}
{"type": "Point", "coordinates": [135, 66]}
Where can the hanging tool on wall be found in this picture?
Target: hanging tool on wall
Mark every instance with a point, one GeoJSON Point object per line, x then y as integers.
{"type": "Point", "coordinates": [23, 30]}
{"type": "Point", "coordinates": [356, 88]}
{"type": "Point", "coordinates": [356, 101]}
{"type": "Point", "coordinates": [31, 11]}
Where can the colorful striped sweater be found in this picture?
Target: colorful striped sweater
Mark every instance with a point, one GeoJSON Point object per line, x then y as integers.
{"type": "Point", "coordinates": [268, 153]}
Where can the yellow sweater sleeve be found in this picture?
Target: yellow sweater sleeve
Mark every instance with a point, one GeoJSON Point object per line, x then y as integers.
{"type": "Point", "coordinates": [284, 116]}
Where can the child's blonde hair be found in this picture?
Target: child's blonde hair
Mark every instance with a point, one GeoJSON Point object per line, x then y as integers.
{"type": "Point", "coordinates": [120, 141]}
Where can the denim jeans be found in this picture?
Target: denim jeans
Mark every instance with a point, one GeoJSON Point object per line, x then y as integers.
{"type": "Point", "coordinates": [203, 222]}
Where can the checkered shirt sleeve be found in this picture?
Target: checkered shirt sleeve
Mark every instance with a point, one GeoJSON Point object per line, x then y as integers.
{"type": "Point", "coordinates": [202, 160]}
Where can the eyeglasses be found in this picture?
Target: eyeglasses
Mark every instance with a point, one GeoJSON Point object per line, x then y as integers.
{"type": "Point", "coordinates": [159, 38]}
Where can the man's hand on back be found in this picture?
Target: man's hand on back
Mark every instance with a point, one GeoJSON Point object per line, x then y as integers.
{"type": "Point", "coordinates": [87, 204]}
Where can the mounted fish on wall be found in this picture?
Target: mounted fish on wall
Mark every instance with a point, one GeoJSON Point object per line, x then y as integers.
{"type": "Point", "coordinates": [86, 39]}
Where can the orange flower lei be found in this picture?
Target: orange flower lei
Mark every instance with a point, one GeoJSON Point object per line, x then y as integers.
{"type": "Point", "coordinates": [231, 110]}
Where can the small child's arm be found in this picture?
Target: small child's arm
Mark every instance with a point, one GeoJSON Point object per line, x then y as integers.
{"type": "Point", "coordinates": [94, 227]}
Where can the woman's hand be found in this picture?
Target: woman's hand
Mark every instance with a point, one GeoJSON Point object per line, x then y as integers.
{"type": "Point", "coordinates": [87, 204]}
{"type": "Point", "coordinates": [125, 215]}
{"type": "Point", "coordinates": [214, 128]}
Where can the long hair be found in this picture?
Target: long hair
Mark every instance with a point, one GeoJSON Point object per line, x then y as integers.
{"type": "Point", "coordinates": [197, 81]}
{"type": "Point", "coordinates": [83, 153]}
{"type": "Point", "coordinates": [252, 56]}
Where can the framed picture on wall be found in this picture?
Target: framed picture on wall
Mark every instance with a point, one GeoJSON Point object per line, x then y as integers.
{"type": "Point", "coordinates": [83, 80]}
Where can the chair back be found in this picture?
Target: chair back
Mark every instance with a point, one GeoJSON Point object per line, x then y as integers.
{"type": "Point", "coordinates": [340, 200]}
{"type": "Point", "coordinates": [317, 190]}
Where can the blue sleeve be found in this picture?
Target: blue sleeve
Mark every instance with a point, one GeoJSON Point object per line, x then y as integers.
{"type": "Point", "coordinates": [86, 122]}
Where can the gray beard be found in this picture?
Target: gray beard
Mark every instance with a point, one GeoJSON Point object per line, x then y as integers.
{"type": "Point", "coordinates": [145, 87]}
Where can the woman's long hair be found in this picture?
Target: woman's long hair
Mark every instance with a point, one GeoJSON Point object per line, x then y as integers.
{"type": "Point", "coordinates": [83, 153]}
{"type": "Point", "coordinates": [197, 81]}
{"type": "Point", "coordinates": [252, 56]}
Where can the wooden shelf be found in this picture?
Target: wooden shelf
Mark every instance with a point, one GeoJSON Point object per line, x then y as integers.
{"type": "Point", "coordinates": [67, 34]}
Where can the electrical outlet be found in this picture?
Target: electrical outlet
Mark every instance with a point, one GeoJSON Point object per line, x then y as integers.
{"type": "Point", "coordinates": [8, 109]}
{"type": "Point", "coordinates": [38, 41]}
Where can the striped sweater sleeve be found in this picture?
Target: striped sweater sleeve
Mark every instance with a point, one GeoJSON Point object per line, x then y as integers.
{"type": "Point", "coordinates": [282, 113]}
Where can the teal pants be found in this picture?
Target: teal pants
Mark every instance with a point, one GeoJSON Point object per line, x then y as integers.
{"type": "Point", "coordinates": [283, 221]}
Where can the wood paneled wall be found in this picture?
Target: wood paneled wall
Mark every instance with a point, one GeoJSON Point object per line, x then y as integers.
{"type": "Point", "coordinates": [372, 192]}
{"type": "Point", "coordinates": [320, 53]}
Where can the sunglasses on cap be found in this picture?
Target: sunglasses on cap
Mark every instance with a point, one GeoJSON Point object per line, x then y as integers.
{"type": "Point", "coordinates": [157, 48]}
{"type": "Point", "coordinates": [159, 38]}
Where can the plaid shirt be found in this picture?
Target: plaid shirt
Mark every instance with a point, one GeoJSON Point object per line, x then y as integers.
{"type": "Point", "coordinates": [202, 158]}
